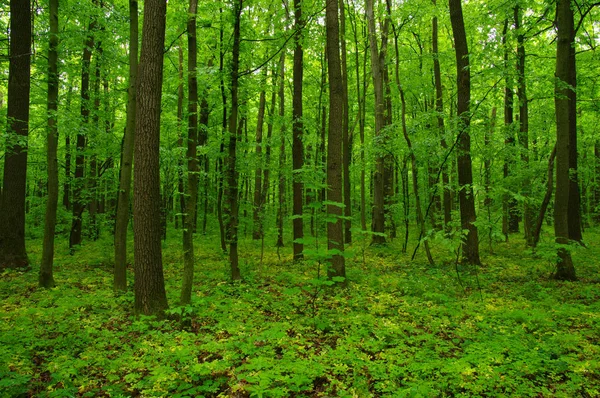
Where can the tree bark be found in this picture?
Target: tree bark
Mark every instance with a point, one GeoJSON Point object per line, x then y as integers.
{"type": "Point", "coordinates": [510, 217]}
{"type": "Point", "coordinates": [13, 253]}
{"type": "Point", "coordinates": [46, 278]}
{"type": "Point", "coordinates": [523, 128]}
{"type": "Point", "coordinates": [257, 233]}
{"type": "Point", "coordinates": [346, 141]}
{"type": "Point", "coordinates": [192, 159]}
{"type": "Point", "coordinates": [231, 172]}
{"type": "Point", "coordinates": [564, 95]}
{"type": "Point", "coordinates": [549, 187]}
{"type": "Point", "coordinates": [335, 233]}
{"type": "Point", "coordinates": [281, 184]}
{"type": "Point", "coordinates": [439, 109]}
{"type": "Point", "coordinates": [124, 193]}
{"type": "Point", "coordinates": [377, 60]}
{"type": "Point", "coordinates": [78, 204]}
{"type": "Point", "coordinates": [468, 217]}
{"type": "Point", "coordinates": [150, 296]}
{"type": "Point", "coordinates": [297, 135]}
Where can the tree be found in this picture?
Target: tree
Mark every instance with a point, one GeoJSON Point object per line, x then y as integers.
{"type": "Point", "coordinates": [564, 99]}
{"type": "Point", "coordinates": [150, 295]}
{"type": "Point", "coordinates": [377, 62]}
{"type": "Point", "coordinates": [439, 109]}
{"type": "Point", "coordinates": [523, 127]}
{"type": "Point", "coordinates": [192, 159]}
{"type": "Point", "coordinates": [124, 192]}
{"type": "Point", "coordinates": [46, 278]}
{"type": "Point", "coordinates": [297, 134]}
{"type": "Point", "coordinates": [470, 247]}
{"type": "Point", "coordinates": [231, 172]}
{"type": "Point", "coordinates": [13, 253]}
{"type": "Point", "coordinates": [335, 232]}
{"type": "Point", "coordinates": [78, 204]}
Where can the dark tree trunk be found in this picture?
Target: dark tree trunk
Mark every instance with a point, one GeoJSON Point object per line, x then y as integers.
{"type": "Point", "coordinates": [510, 214]}
{"type": "Point", "coordinates": [192, 159]}
{"type": "Point", "coordinates": [335, 233]}
{"type": "Point", "coordinates": [231, 172]}
{"type": "Point", "coordinates": [12, 203]}
{"type": "Point", "coordinates": [220, 165]}
{"type": "Point", "coordinates": [46, 278]}
{"type": "Point", "coordinates": [549, 187]}
{"type": "Point", "coordinates": [281, 185]}
{"type": "Point", "coordinates": [78, 204]}
{"type": "Point", "coordinates": [150, 296]}
{"type": "Point", "coordinates": [202, 142]}
{"type": "Point", "coordinates": [180, 181]}
{"type": "Point", "coordinates": [439, 109]}
{"type": "Point", "coordinates": [346, 142]}
{"type": "Point", "coordinates": [257, 233]}
{"type": "Point", "coordinates": [377, 60]}
{"type": "Point", "coordinates": [297, 135]}
{"type": "Point", "coordinates": [564, 97]}
{"type": "Point", "coordinates": [466, 195]}
{"type": "Point", "coordinates": [523, 128]}
{"type": "Point", "coordinates": [124, 193]}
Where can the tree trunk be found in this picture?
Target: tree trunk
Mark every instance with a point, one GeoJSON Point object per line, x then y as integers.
{"type": "Point", "coordinates": [596, 193]}
{"type": "Point", "coordinates": [524, 129]}
{"type": "Point", "coordinates": [346, 142]}
{"type": "Point", "coordinates": [78, 204]}
{"type": "Point", "coordinates": [124, 193]}
{"type": "Point", "coordinates": [297, 135]}
{"type": "Point", "coordinates": [335, 233]}
{"type": "Point", "coordinates": [231, 172]}
{"type": "Point", "coordinates": [192, 159]}
{"type": "Point", "coordinates": [150, 296]}
{"type": "Point", "coordinates": [220, 163]}
{"type": "Point", "coordinates": [439, 109]}
{"type": "Point", "coordinates": [257, 233]}
{"type": "Point", "coordinates": [510, 217]}
{"type": "Point", "coordinates": [564, 96]}
{"type": "Point", "coordinates": [377, 60]}
{"type": "Point", "coordinates": [281, 185]}
{"type": "Point", "coordinates": [546, 200]}
{"type": "Point", "coordinates": [466, 195]}
{"type": "Point", "coordinates": [180, 181]}
{"type": "Point", "coordinates": [12, 203]}
{"type": "Point", "coordinates": [46, 278]}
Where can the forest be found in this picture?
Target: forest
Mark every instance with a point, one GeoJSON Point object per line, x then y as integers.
{"type": "Point", "coordinates": [267, 198]}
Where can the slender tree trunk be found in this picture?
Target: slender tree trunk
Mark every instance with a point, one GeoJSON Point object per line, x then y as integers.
{"type": "Point", "coordinates": [346, 142]}
{"type": "Point", "coordinates": [203, 161]}
{"type": "Point", "coordinates": [180, 182]}
{"type": "Point", "coordinates": [596, 193]}
{"type": "Point", "coordinates": [564, 96]}
{"type": "Point", "coordinates": [439, 109]}
{"type": "Point", "coordinates": [524, 128]}
{"type": "Point", "coordinates": [466, 195]}
{"type": "Point", "coordinates": [549, 187]}
{"type": "Point", "coordinates": [13, 253]}
{"type": "Point", "coordinates": [46, 278]}
{"type": "Point", "coordinates": [192, 159]}
{"type": "Point", "coordinates": [124, 193]}
{"type": "Point", "coordinates": [487, 176]}
{"type": "Point", "coordinates": [231, 172]}
{"type": "Point", "coordinates": [267, 159]}
{"type": "Point", "coordinates": [281, 185]}
{"type": "Point", "coordinates": [297, 135]}
{"type": "Point", "coordinates": [220, 163]}
{"type": "Point", "coordinates": [150, 296]}
{"type": "Point", "coordinates": [510, 218]}
{"type": "Point", "coordinates": [257, 233]}
{"type": "Point", "coordinates": [377, 60]}
{"type": "Point", "coordinates": [78, 184]}
{"type": "Point", "coordinates": [335, 233]}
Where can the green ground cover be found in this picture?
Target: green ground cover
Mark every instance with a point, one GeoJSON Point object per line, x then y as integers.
{"type": "Point", "coordinates": [401, 329]}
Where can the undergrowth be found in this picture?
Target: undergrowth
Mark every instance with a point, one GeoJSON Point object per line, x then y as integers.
{"type": "Point", "coordinates": [400, 329]}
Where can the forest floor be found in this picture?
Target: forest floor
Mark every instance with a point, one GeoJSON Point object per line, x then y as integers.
{"type": "Point", "coordinates": [401, 328]}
